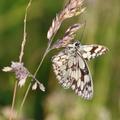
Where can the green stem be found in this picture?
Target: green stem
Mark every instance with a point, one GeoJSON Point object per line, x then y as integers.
{"type": "Point", "coordinates": [13, 100]}
{"type": "Point", "coordinates": [46, 52]}
{"type": "Point", "coordinates": [30, 84]}
{"type": "Point", "coordinates": [25, 96]}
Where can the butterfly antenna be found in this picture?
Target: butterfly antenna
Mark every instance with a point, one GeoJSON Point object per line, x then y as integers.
{"type": "Point", "coordinates": [82, 34]}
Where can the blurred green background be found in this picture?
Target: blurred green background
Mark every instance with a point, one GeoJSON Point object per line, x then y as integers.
{"type": "Point", "coordinates": [102, 27]}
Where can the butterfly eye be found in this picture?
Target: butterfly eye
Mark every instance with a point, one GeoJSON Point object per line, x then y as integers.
{"type": "Point", "coordinates": [77, 44]}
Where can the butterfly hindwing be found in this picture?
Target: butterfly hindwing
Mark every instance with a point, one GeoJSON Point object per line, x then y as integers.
{"type": "Point", "coordinates": [82, 84]}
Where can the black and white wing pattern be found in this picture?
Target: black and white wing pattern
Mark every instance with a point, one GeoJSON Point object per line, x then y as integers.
{"type": "Point", "coordinates": [82, 84]}
{"type": "Point", "coordinates": [61, 65]}
{"type": "Point", "coordinates": [89, 52]}
{"type": "Point", "coordinates": [71, 68]}
{"type": "Point", "coordinates": [71, 71]}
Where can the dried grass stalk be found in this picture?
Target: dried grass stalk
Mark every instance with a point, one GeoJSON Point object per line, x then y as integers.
{"type": "Point", "coordinates": [72, 8]}
{"type": "Point", "coordinates": [68, 36]}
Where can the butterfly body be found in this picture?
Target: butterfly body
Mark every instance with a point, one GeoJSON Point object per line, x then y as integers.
{"type": "Point", "coordinates": [71, 68]}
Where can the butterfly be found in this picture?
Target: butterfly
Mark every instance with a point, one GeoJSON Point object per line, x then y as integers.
{"type": "Point", "coordinates": [71, 68]}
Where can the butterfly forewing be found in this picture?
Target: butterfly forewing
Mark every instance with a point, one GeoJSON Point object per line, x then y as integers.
{"type": "Point", "coordinates": [91, 51]}
{"type": "Point", "coordinates": [62, 68]}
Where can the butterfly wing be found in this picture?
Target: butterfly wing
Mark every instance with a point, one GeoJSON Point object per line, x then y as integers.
{"type": "Point", "coordinates": [82, 84]}
{"type": "Point", "coordinates": [72, 71]}
{"type": "Point", "coordinates": [91, 51]}
{"type": "Point", "coordinates": [62, 68]}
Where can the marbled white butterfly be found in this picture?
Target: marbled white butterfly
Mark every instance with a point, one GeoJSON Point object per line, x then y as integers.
{"type": "Point", "coordinates": [71, 68]}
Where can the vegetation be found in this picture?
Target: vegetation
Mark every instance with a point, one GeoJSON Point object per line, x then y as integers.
{"type": "Point", "coordinates": [102, 27]}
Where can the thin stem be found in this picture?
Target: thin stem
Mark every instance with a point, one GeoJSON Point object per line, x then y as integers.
{"type": "Point", "coordinates": [25, 96]}
{"type": "Point", "coordinates": [21, 55]}
{"type": "Point", "coordinates": [82, 34]}
{"type": "Point", "coordinates": [13, 100]}
{"type": "Point", "coordinates": [46, 52]}
{"type": "Point", "coordinates": [30, 84]}
{"type": "Point", "coordinates": [24, 33]}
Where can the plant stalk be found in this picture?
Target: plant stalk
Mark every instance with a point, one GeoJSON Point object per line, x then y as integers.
{"type": "Point", "coordinates": [13, 100]}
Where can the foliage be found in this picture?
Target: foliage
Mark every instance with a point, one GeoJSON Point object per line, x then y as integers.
{"type": "Point", "coordinates": [102, 27]}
